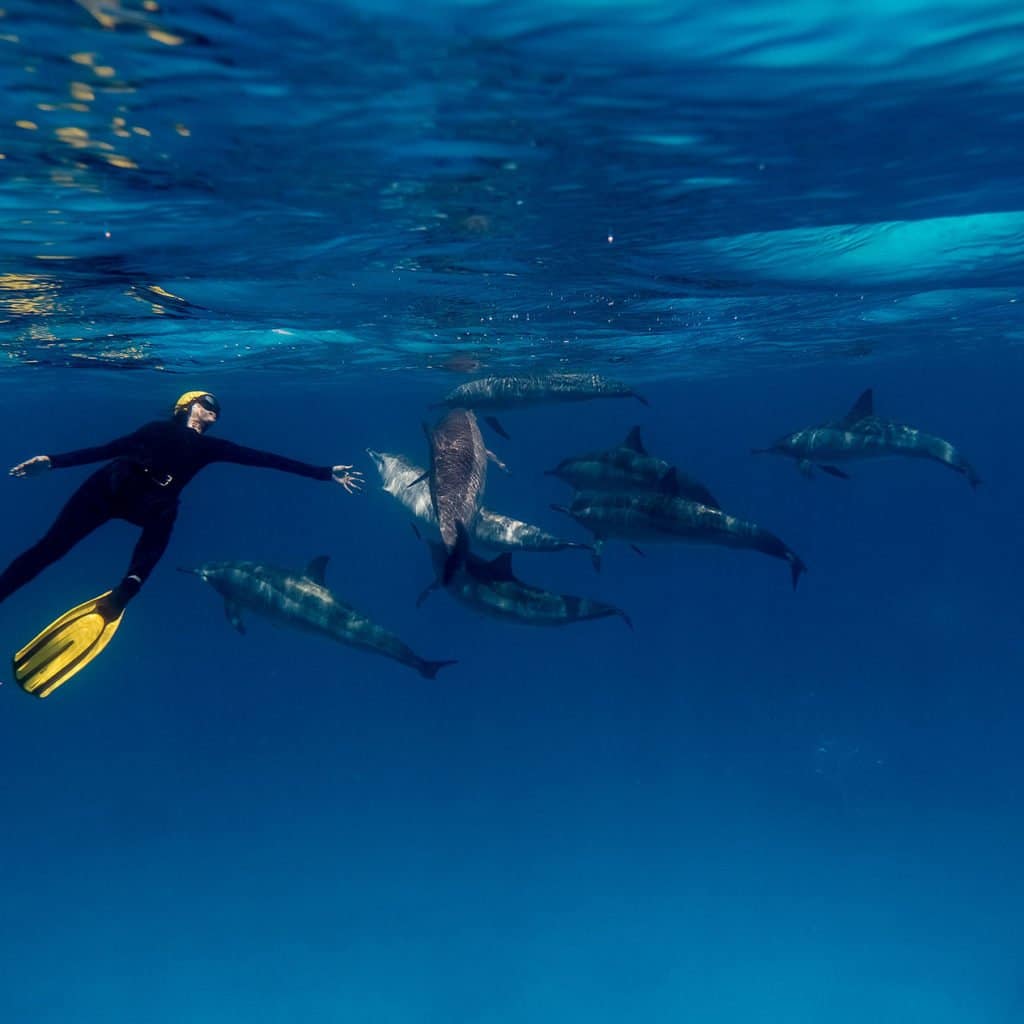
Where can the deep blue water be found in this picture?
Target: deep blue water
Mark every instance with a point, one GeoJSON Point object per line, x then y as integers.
{"type": "Point", "coordinates": [758, 805]}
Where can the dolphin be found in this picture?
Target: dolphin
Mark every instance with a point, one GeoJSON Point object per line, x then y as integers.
{"type": "Point", "coordinates": [302, 601]}
{"type": "Point", "coordinates": [663, 518]}
{"type": "Point", "coordinates": [860, 434]}
{"type": "Point", "coordinates": [493, 394]}
{"type": "Point", "coordinates": [503, 533]}
{"type": "Point", "coordinates": [492, 588]}
{"type": "Point", "coordinates": [457, 475]}
{"type": "Point", "coordinates": [406, 481]}
{"type": "Point", "coordinates": [628, 467]}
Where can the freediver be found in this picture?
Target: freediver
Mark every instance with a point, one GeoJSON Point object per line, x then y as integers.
{"type": "Point", "coordinates": [142, 485]}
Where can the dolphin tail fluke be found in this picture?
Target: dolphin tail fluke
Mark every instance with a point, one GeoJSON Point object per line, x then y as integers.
{"type": "Point", "coordinates": [495, 424]}
{"type": "Point", "coordinates": [457, 556]}
{"type": "Point", "coordinates": [796, 567]}
{"type": "Point", "coordinates": [429, 669]}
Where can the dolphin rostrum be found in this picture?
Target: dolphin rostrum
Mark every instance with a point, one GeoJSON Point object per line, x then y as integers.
{"type": "Point", "coordinates": [493, 394]}
{"type": "Point", "coordinates": [860, 434]}
{"type": "Point", "coordinates": [628, 467]}
{"type": "Point", "coordinates": [492, 588]}
{"type": "Point", "coordinates": [302, 601]}
{"type": "Point", "coordinates": [662, 518]}
{"type": "Point", "coordinates": [406, 481]}
{"type": "Point", "coordinates": [457, 475]}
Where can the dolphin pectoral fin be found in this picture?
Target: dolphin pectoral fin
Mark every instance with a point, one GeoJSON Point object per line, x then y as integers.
{"type": "Point", "coordinates": [806, 467]}
{"type": "Point", "coordinates": [425, 593]}
{"type": "Point", "coordinates": [639, 551]}
{"type": "Point", "coordinates": [418, 480]}
{"type": "Point", "coordinates": [834, 471]}
{"type": "Point", "coordinates": [625, 618]}
{"type": "Point", "coordinates": [560, 508]}
{"type": "Point", "coordinates": [595, 554]}
{"type": "Point", "coordinates": [234, 616]}
{"type": "Point", "coordinates": [494, 458]}
{"type": "Point", "coordinates": [495, 424]}
{"type": "Point", "coordinates": [640, 398]}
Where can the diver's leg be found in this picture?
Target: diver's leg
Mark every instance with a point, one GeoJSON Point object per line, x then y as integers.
{"type": "Point", "coordinates": [156, 533]}
{"type": "Point", "coordinates": [86, 509]}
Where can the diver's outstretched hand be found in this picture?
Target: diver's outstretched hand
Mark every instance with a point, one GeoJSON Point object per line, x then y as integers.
{"type": "Point", "coordinates": [32, 467]}
{"type": "Point", "coordinates": [351, 481]}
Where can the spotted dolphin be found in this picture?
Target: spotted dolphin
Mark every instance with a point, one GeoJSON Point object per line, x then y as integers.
{"type": "Point", "coordinates": [491, 587]}
{"type": "Point", "coordinates": [860, 434]}
{"type": "Point", "coordinates": [302, 601]}
{"type": "Point", "coordinates": [457, 476]}
{"type": "Point", "coordinates": [406, 481]}
{"type": "Point", "coordinates": [629, 467]}
{"type": "Point", "coordinates": [494, 394]}
{"type": "Point", "coordinates": [661, 518]}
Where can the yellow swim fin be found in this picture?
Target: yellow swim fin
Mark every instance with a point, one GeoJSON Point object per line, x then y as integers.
{"type": "Point", "coordinates": [67, 645]}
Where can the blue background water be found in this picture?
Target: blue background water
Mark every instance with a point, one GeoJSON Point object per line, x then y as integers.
{"type": "Point", "coordinates": [759, 805]}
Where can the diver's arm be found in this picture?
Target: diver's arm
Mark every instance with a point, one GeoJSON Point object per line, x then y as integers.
{"type": "Point", "coordinates": [220, 450]}
{"type": "Point", "coordinates": [228, 451]}
{"type": "Point", "coordinates": [100, 453]}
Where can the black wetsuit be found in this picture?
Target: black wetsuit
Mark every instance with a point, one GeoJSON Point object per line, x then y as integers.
{"type": "Point", "coordinates": [142, 485]}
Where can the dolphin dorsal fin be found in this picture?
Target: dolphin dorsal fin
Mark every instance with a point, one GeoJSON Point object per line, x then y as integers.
{"type": "Point", "coordinates": [669, 483]}
{"type": "Point", "coordinates": [500, 568]}
{"type": "Point", "coordinates": [317, 570]}
{"type": "Point", "coordinates": [863, 407]}
{"type": "Point", "coordinates": [633, 441]}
